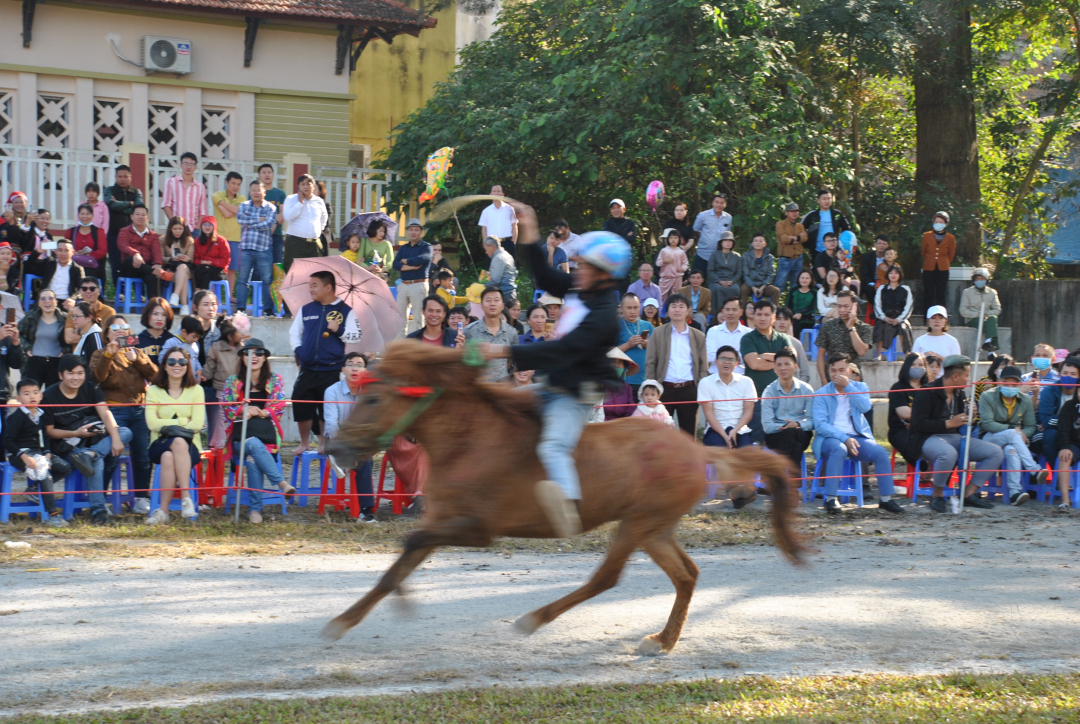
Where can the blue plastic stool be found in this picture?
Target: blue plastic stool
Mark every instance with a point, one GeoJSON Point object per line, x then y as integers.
{"type": "Point", "coordinates": [1074, 489]}
{"type": "Point", "coordinates": [893, 350]}
{"type": "Point", "coordinates": [393, 291]}
{"type": "Point", "coordinates": [537, 294]}
{"type": "Point", "coordinates": [927, 490]}
{"type": "Point", "coordinates": [28, 291]}
{"type": "Point", "coordinates": [302, 468]}
{"type": "Point", "coordinates": [270, 496]}
{"type": "Point", "coordinates": [132, 289]}
{"type": "Point", "coordinates": [808, 338]}
{"type": "Point", "coordinates": [997, 486]}
{"type": "Point", "coordinates": [75, 496]}
{"type": "Point", "coordinates": [1043, 493]}
{"type": "Point", "coordinates": [174, 504]}
{"type": "Point", "coordinates": [117, 497]}
{"type": "Point", "coordinates": [255, 292]}
{"type": "Point", "coordinates": [850, 485]}
{"type": "Point", "coordinates": [223, 294]}
{"type": "Point", "coordinates": [167, 291]}
{"type": "Point", "coordinates": [7, 503]}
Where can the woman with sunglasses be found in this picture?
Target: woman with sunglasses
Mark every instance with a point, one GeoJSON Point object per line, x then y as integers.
{"type": "Point", "coordinates": [42, 335]}
{"type": "Point", "coordinates": [175, 401]}
{"type": "Point", "coordinates": [263, 405]}
{"type": "Point", "coordinates": [122, 371]}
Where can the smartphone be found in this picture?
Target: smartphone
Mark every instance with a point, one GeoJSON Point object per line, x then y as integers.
{"type": "Point", "coordinates": [48, 245]}
{"type": "Point", "coordinates": [645, 333]}
{"type": "Point", "coordinates": [10, 316]}
{"type": "Point", "coordinates": [97, 429]}
{"type": "Point", "coordinates": [549, 326]}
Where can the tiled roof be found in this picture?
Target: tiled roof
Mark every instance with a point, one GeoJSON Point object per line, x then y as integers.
{"type": "Point", "coordinates": [383, 13]}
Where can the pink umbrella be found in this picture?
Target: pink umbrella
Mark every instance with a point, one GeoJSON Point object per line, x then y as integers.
{"type": "Point", "coordinates": [367, 294]}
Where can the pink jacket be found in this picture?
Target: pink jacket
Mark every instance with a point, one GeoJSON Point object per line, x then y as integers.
{"type": "Point", "coordinates": [658, 413]}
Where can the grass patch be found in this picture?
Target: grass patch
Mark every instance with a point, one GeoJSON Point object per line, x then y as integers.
{"type": "Point", "coordinates": [1013, 699]}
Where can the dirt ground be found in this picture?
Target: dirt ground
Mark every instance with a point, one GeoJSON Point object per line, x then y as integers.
{"type": "Point", "coordinates": [993, 591]}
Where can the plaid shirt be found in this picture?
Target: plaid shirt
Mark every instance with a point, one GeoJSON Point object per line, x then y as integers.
{"type": "Point", "coordinates": [255, 225]}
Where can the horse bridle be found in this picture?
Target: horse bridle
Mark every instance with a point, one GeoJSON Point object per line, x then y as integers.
{"type": "Point", "coordinates": [425, 398]}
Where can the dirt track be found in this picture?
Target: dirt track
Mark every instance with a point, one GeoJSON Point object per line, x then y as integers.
{"type": "Point", "coordinates": [997, 591]}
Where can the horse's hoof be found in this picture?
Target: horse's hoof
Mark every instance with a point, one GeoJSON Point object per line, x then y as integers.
{"type": "Point", "coordinates": [527, 624]}
{"type": "Point", "coordinates": [334, 630]}
{"type": "Point", "coordinates": [650, 646]}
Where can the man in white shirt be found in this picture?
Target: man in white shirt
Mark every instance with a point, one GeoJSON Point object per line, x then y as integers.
{"type": "Point", "coordinates": [727, 399]}
{"type": "Point", "coordinates": [305, 214]}
{"type": "Point", "coordinates": [62, 275]}
{"type": "Point", "coordinates": [676, 355]}
{"type": "Point", "coordinates": [500, 222]}
{"type": "Point", "coordinates": [729, 333]}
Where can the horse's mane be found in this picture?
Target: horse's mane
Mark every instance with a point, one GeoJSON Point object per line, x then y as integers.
{"type": "Point", "coordinates": [410, 364]}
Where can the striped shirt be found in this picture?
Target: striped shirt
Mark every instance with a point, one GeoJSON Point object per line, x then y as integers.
{"type": "Point", "coordinates": [255, 224]}
{"type": "Point", "coordinates": [188, 202]}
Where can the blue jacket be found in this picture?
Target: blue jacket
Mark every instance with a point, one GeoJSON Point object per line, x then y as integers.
{"type": "Point", "coordinates": [316, 352]}
{"type": "Point", "coordinates": [1049, 404]}
{"type": "Point", "coordinates": [419, 255]}
{"type": "Point", "coordinates": [858, 396]}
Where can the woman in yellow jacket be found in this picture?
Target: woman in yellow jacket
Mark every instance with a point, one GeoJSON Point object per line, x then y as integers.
{"type": "Point", "coordinates": [175, 411]}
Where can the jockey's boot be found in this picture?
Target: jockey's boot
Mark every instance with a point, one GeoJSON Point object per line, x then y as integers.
{"type": "Point", "coordinates": [561, 512]}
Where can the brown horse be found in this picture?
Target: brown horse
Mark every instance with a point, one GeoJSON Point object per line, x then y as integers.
{"type": "Point", "coordinates": [482, 442]}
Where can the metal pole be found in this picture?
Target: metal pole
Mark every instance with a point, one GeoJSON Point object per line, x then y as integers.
{"type": "Point", "coordinates": [959, 506]}
{"type": "Point", "coordinates": [464, 241]}
{"type": "Point", "coordinates": [243, 436]}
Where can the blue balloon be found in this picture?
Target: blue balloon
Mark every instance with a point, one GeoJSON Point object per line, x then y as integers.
{"type": "Point", "coordinates": [848, 240]}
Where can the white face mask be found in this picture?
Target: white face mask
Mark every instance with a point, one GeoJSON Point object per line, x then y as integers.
{"type": "Point", "coordinates": [939, 226]}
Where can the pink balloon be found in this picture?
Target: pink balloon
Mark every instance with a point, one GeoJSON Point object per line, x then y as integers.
{"type": "Point", "coordinates": [655, 194]}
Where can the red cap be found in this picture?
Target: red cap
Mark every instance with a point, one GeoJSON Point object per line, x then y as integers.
{"type": "Point", "coordinates": [15, 194]}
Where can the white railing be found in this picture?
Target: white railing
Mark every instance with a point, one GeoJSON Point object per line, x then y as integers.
{"type": "Point", "coordinates": [55, 179]}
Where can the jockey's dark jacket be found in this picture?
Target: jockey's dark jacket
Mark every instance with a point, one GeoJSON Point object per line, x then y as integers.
{"type": "Point", "coordinates": [580, 356]}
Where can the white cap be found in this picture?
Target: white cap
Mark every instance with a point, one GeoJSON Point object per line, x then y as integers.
{"type": "Point", "coordinates": [617, 201]}
{"type": "Point", "coordinates": [650, 302]}
{"type": "Point", "coordinates": [651, 383]}
{"type": "Point", "coordinates": [937, 309]}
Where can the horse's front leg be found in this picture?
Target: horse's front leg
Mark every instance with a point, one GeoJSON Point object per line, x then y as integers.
{"type": "Point", "coordinates": [461, 531]}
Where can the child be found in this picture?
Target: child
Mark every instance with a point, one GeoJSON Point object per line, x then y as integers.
{"type": "Point", "coordinates": [24, 441]}
{"type": "Point", "coordinates": [101, 209]}
{"type": "Point", "coordinates": [883, 267]}
{"type": "Point", "coordinates": [673, 264]}
{"type": "Point", "coordinates": [444, 287]}
{"type": "Point", "coordinates": [352, 251]}
{"type": "Point", "coordinates": [650, 406]}
{"type": "Point", "coordinates": [459, 318]}
{"type": "Point", "coordinates": [222, 362]}
{"type": "Point", "coordinates": [191, 330]}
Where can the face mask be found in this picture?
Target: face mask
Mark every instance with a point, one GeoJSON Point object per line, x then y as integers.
{"type": "Point", "coordinates": [980, 283]}
{"type": "Point", "coordinates": [917, 373]}
{"type": "Point", "coordinates": [1041, 363]}
{"type": "Point", "coordinates": [1009, 391]}
{"type": "Point", "coordinates": [622, 372]}
{"type": "Point", "coordinates": [1069, 381]}
{"type": "Point", "coordinates": [939, 226]}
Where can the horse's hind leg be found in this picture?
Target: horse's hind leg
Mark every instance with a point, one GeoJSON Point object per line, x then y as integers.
{"type": "Point", "coordinates": [604, 578]}
{"type": "Point", "coordinates": [419, 544]}
{"type": "Point", "coordinates": [683, 572]}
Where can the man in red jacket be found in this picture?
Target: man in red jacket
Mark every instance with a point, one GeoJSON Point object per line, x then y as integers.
{"type": "Point", "coordinates": [140, 249]}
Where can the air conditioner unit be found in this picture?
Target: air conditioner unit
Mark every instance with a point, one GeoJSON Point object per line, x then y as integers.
{"type": "Point", "coordinates": [167, 55]}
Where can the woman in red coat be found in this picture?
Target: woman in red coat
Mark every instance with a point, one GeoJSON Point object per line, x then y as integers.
{"type": "Point", "coordinates": [89, 243]}
{"type": "Point", "coordinates": [211, 254]}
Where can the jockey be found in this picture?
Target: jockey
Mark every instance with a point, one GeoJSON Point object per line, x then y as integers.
{"type": "Point", "coordinates": [575, 362]}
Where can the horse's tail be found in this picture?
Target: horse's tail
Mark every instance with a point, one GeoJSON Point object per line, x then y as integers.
{"type": "Point", "coordinates": [738, 468]}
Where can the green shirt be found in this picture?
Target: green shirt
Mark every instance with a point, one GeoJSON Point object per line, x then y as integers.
{"type": "Point", "coordinates": [754, 342]}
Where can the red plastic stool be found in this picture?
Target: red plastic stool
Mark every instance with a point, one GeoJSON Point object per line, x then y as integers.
{"type": "Point", "coordinates": [339, 499]}
{"type": "Point", "coordinates": [212, 477]}
{"type": "Point", "coordinates": [397, 497]}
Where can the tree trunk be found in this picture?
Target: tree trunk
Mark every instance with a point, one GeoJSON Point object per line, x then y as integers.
{"type": "Point", "coordinates": [946, 145]}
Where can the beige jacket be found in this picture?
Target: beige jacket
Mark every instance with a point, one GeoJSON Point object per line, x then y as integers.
{"type": "Point", "coordinates": [656, 359]}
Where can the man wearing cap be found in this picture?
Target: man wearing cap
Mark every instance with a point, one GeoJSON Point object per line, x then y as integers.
{"type": "Point", "coordinates": [824, 219]}
{"type": "Point", "coordinates": [971, 301]}
{"type": "Point", "coordinates": [938, 252]}
{"type": "Point", "coordinates": [710, 225]}
{"type": "Point", "coordinates": [790, 237]}
{"type": "Point", "coordinates": [644, 287]}
{"type": "Point", "coordinates": [412, 261]}
{"type": "Point", "coordinates": [617, 223]}
{"type": "Point", "coordinates": [305, 213]}
{"type": "Point", "coordinates": [938, 426]}
{"type": "Point", "coordinates": [500, 222]}
{"type": "Point", "coordinates": [1007, 419]}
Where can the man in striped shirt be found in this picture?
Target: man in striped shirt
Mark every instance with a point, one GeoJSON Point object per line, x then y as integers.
{"type": "Point", "coordinates": [184, 195]}
{"type": "Point", "coordinates": [257, 218]}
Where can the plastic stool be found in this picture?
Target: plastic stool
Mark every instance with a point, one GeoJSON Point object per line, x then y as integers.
{"type": "Point", "coordinates": [223, 294]}
{"type": "Point", "coordinates": [167, 291]}
{"type": "Point", "coordinates": [212, 477]}
{"type": "Point", "coordinates": [537, 294]}
{"type": "Point", "coordinates": [175, 504]}
{"type": "Point", "coordinates": [302, 467]}
{"type": "Point", "coordinates": [850, 485]}
{"type": "Point", "coordinates": [254, 292]}
{"type": "Point", "coordinates": [75, 495]}
{"type": "Point", "coordinates": [997, 488]}
{"type": "Point", "coordinates": [7, 502]}
{"type": "Point", "coordinates": [893, 350]}
{"type": "Point", "coordinates": [132, 289]}
{"type": "Point", "coordinates": [118, 497]}
{"type": "Point", "coordinates": [339, 499]}
{"type": "Point", "coordinates": [270, 496]}
{"type": "Point", "coordinates": [1044, 492]}
{"type": "Point", "coordinates": [808, 338]}
{"type": "Point", "coordinates": [28, 291]}
{"type": "Point", "coordinates": [397, 497]}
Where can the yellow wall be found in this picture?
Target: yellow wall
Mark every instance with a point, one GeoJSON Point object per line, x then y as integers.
{"type": "Point", "coordinates": [391, 81]}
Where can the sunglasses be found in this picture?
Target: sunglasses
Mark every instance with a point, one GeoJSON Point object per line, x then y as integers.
{"type": "Point", "coordinates": [88, 289]}
{"type": "Point", "coordinates": [118, 327]}
{"type": "Point", "coordinates": [176, 362]}
{"type": "Point", "coordinates": [259, 352]}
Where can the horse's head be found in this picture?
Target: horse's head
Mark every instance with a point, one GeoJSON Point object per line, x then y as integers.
{"type": "Point", "coordinates": [397, 391]}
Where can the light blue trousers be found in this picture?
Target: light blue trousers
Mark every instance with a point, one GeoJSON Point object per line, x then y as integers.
{"type": "Point", "coordinates": [564, 417]}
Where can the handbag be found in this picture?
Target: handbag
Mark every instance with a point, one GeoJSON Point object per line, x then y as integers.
{"type": "Point", "coordinates": [260, 428]}
{"type": "Point", "coordinates": [177, 431]}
